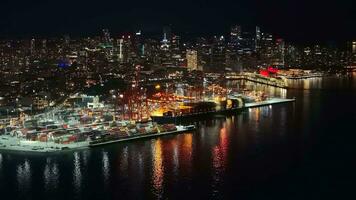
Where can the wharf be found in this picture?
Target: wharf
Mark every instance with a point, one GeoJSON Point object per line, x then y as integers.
{"type": "Point", "coordinates": [200, 115]}
{"type": "Point", "coordinates": [8, 143]}
{"type": "Point", "coordinates": [13, 144]}
{"type": "Point", "coordinates": [272, 101]}
{"type": "Point", "coordinates": [180, 129]}
{"type": "Point", "coordinates": [305, 77]}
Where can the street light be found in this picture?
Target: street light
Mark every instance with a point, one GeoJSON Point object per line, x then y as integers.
{"type": "Point", "coordinates": [123, 106]}
{"type": "Point", "coordinates": [114, 98]}
{"type": "Point", "coordinates": [17, 107]}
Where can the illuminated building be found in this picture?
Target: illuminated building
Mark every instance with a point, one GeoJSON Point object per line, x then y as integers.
{"type": "Point", "coordinates": [167, 32]}
{"type": "Point", "coordinates": [258, 38]}
{"type": "Point", "coordinates": [192, 60]}
{"type": "Point", "coordinates": [32, 46]}
{"type": "Point", "coordinates": [44, 46]}
{"type": "Point", "coordinates": [40, 102]}
{"type": "Point", "coordinates": [121, 56]}
{"type": "Point", "coordinates": [235, 37]}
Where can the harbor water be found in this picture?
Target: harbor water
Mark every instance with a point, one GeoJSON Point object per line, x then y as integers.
{"type": "Point", "coordinates": [300, 150]}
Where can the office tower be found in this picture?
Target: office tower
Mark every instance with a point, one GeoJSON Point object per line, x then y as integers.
{"type": "Point", "coordinates": [121, 56]}
{"type": "Point", "coordinates": [167, 33]}
{"type": "Point", "coordinates": [258, 39]}
{"type": "Point", "coordinates": [138, 43]}
{"type": "Point", "coordinates": [235, 37]}
{"type": "Point", "coordinates": [192, 60]}
{"type": "Point", "coordinates": [106, 36]}
{"type": "Point", "coordinates": [44, 46]}
{"type": "Point", "coordinates": [279, 52]}
{"type": "Point", "coordinates": [32, 46]}
{"type": "Point", "coordinates": [66, 40]}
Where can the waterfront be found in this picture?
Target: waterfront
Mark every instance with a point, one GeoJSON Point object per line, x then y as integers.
{"type": "Point", "coordinates": [302, 150]}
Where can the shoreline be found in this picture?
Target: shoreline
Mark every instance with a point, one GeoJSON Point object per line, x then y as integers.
{"type": "Point", "coordinates": [12, 144]}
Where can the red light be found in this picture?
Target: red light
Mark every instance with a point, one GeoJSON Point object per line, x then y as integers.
{"type": "Point", "coordinates": [264, 72]}
{"type": "Point", "coordinates": [272, 70]}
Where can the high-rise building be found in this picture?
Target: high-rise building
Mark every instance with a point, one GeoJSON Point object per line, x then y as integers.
{"type": "Point", "coordinates": [167, 33]}
{"type": "Point", "coordinates": [44, 46]}
{"type": "Point", "coordinates": [354, 47]}
{"type": "Point", "coordinates": [279, 52]}
{"type": "Point", "coordinates": [32, 46]}
{"type": "Point", "coordinates": [167, 38]}
{"type": "Point", "coordinates": [258, 39]}
{"type": "Point", "coordinates": [66, 40]}
{"type": "Point", "coordinates": [176, 42]}
{"type": "Point", "coordinates": [121, 55]}
{"type": "Point", "coordinates": [106, 36]}
{"type": "Point", "coordinates": [235, 37]}
{"type": "Point", "coordinates": [138, 43]}
{"type": "Point", "coordinates": [267, 48]}
{"type": "Point", "coordinates": [192, 60]}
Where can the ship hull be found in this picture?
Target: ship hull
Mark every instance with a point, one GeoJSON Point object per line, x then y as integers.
{"type": "Point", "coordinates": [183, 119]}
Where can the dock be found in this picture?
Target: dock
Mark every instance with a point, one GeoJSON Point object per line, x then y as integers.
{"type": "Point", "coordinates": [12, 144]}
{"type": "Point", "coordinates": [272, 101]}
{"type": "Point", "coordinates": [200, 115]}
{"type": "Point", "coordinates": [180, 129]}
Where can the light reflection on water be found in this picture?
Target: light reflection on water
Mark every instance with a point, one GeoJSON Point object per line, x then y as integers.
{"type": "Point", "coordinates": [157, 169]}
{"type": "Point", "coordinates": [23, 172]}
{"type": "Point", "coordinates": [175, 158]}
{"type": "Point", "coordinates": [219, 157]}
{"type": "Point", "coordinates": [310, 83]}
{"type": "Point", "coordinates": [77, 173]}
{"type": "Point", "coordinates": [51, 175]}
{"type": "Point", "coordinates": [106, 167]}
{"type": "Point", "coordinates": [0, 163]}
{"type": "Point", "coordinates": [124, 162]}
{"type": "Point", "coordinates": [85, 156]}
{"type": "Point", "coordinates": [270, 90]}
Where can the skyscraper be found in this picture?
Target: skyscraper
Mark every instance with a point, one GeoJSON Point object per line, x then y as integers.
{"type": "Point", "coordinates": [121, 55]}
{"type": "Point", "coordinates": [44, 46]}
{"type": "Point", "coordinates": [258, 39]}
{"type": "Point", "coordinates": [192, 60]}
{"type": "Point", "coordinates": [106, 36]}
{"type": "Point", "coordinates": [235, 37]}
{"type": "Point", "coordinates": [167, 33]}
{"type": "Point", "coordinates": [32, 46]}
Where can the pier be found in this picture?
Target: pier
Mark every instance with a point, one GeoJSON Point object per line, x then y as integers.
{"type": "Point", "coordinates": [258, 79]}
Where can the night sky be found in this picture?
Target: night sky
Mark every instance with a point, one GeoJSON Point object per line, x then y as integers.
{"type": "Point", "coordinates": [295, 20]}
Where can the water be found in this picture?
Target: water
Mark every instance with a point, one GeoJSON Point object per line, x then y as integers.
{"type": "Point", "coordinates": [302, 150]}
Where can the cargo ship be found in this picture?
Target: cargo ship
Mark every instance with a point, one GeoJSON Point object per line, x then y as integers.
{"type": "Point", "coordinates": [167, 129]}
{"type": "Point", "coordinates": [201, 109]}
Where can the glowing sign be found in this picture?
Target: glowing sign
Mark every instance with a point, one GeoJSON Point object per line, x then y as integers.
{"type": "Point", "coordinates": [63, 64]}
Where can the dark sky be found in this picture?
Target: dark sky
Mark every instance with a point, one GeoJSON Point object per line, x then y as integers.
{"type": "Point", "coordinates": [295, 20]}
